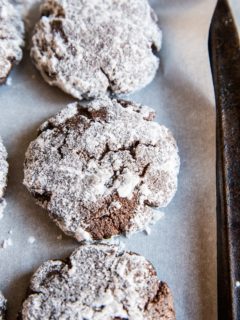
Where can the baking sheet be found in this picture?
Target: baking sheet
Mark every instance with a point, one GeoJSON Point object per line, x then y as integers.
{"type": "Point", "coordinates": [182, 246]}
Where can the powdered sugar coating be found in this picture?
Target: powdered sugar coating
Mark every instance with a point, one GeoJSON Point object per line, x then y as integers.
{"type": "Point", "coordinates": [11, 38]}
{"type": "Point", "coordinates": [3, 307]}
{"type": "Point", "coordinates": [99, 169]}
{"type": "Point", "coordinates": [99, 282]}
{"type": "Point", "coordinates": [3, 175]}
{"type": "Point", "coordinates": [88, 48]}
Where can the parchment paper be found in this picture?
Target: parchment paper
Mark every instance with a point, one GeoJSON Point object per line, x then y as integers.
{"type": "Point", "coordinates": [182, 246]}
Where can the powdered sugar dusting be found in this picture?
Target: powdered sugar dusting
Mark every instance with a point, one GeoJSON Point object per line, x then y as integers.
{"type": "Point", "coordinates": [98, 173]}
{"type": "Point", "coordinates": [90, 47]}
{"type": "Point", "coordinates": [11, 38]}
{"type": "Point", "coordinates": [99, 282]}
{"type": "Point", "coordinates": [31, 240]}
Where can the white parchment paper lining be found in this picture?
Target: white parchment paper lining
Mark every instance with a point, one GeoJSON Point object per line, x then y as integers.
{"type": "Point", "coordinates": [182, 246]}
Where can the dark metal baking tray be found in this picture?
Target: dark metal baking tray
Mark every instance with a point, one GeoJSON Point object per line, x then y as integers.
{"type": "Point", "coordinates": [224, 49]}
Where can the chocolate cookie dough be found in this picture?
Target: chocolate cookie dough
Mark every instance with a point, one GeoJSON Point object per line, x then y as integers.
{"type": "Point", "coordinates": [11, 38]}
{"type": "Point", "coordinates": [99, 169]}
{"type": "Point", "coordinates": [3, 176]}
{"type": "Point", "coordinates": [88, 48]}
{"type": "Point", "coordinates": [98, 282]}
{"type": "Point", "coordinates": [3, 307]}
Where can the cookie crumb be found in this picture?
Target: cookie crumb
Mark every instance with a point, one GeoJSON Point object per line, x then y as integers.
{"type": "Point", "coordinates": [31, 240]}
{"type": "Point", "coordinates": [147, 231]}
{"type": "Point", "coordinates": [59, 237]}
{"type": "Point", "coordinates": [115, 241]}
{"type": "Point", "coordinates": [7, 243]}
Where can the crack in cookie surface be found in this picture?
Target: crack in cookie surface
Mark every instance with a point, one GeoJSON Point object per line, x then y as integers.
{"type": "Point", "coordinates": [100, 282]}
{"type": "Point", "coordinates": [88, 48]}
{"type": "Point", "coordinates": [99, 169]}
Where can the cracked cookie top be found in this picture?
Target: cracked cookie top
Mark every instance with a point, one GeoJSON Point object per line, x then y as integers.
{"type": "Point", "coordinates": [11, 38]}
{"type": "Point", "coordinates": [3, 175]}
{"type": "Point", "coordinates": [3, 307]}
{"type": "Point", "coordinates": [88, 48]}
{"type": "Point", "coordinates": [98, 282]}
{"type": "Point", "coordinates": [99, 169]}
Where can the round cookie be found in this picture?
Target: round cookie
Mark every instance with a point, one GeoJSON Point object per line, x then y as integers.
{"type": "Point", "coordinates": [100, 168]}
{"type": "Point", "coordinates": [3, 307]}
{"type": "Point", "coordinates": [3, 176]}
{"type": "Point", "coordinates": [11, 38]}
{"type": "Point", "coordinates": [88, 48]}
{"type": "Point", "coordinates": [98, 282]}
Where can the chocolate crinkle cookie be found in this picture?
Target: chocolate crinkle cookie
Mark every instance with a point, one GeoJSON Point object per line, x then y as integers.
{"type": "Point", "coordinates": [98, 282]}
{"type": "Point", "coordinates": [11, 38]}
{"type": "Point", "coordinates": [3, 176]}
{"type": "Point", "coordinates": [88, 48]}
{"type": "Point", "coordinates": [99, 169]}
{"type": "Point", "coordinates": [3, 307]}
